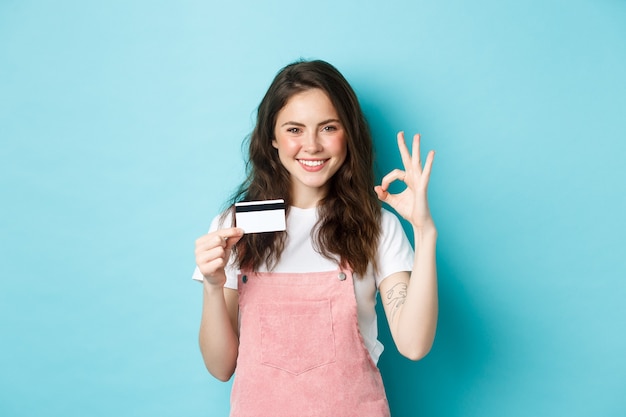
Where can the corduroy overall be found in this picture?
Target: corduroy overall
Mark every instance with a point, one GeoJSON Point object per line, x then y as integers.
{"type": "Point", "coordinates": [300, 350]}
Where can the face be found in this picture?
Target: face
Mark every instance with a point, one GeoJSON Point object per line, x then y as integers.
{"type": "Point", "coordinates": [311, 144]}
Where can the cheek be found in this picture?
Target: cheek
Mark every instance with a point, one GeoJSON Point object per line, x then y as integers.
{"type": "Point", "coordinates": [285, 146]}
{"type": "Point", "coordinates": [339, 145]}
{"type": "Point", "coordinates": [292, 144]}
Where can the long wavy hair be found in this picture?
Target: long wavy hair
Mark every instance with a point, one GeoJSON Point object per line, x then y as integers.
{"type": "Point", "coordinates": [348, 226]}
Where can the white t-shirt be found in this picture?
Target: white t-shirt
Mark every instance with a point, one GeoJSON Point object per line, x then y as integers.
{"type": "Point", "coordinates": [395, 254]}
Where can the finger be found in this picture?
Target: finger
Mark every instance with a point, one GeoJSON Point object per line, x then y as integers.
{"type": "Point", "coordinates": [210, 255]}
{"type": "Point", "coordinates": [210, 241]}
{"type": "Point", "coordinates": [404, 151]}
{"type": "Point", "coordinates": [205, 243]}
{"type": "Point", "coordinates": [226, 234]}
{"type": "Point", "coordinates": [203, 240]}
{"type": "Point", "coordinates": [416, 159]}
{"type": "Point", "coordinates": [227, 237]}
{"type": "Point", "coordinates": [386, 197]}
{"type": "Point", "coordinates": [232, 240]}
{"type": "Point", "coordinates": [395, 175]}
{"type": "Point", "coordinates": [218, 238]}
{"type": "Point", "coordinates": [428, 168]}
{"type": "Point", "coordinates": [380, 193]}
{"type": "Point", "coordinates": [211, 267]}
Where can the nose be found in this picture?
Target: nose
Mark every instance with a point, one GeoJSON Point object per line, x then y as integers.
{"type": "Point", "coordinates": [311, 143]}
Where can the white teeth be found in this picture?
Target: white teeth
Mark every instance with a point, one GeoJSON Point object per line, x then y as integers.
{"type": "Point", "coordinates": [311, 163]}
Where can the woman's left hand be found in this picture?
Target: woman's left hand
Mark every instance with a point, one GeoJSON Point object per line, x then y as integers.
{"type": "Point", "coordinates": [412, 203]}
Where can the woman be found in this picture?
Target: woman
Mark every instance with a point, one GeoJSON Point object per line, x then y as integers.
{"type": "Point", "coordinates": [293, 312]}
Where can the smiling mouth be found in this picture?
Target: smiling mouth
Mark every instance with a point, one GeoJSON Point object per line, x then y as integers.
{"type": "Point", "coordinates": [315, 163]}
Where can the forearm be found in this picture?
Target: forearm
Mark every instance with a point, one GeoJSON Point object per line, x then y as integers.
{"type": "Point", "coordinates": [417, 318]}
{"type": "Point", "coordinates": [218, 337]}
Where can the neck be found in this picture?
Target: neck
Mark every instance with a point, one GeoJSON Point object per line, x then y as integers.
{"type": "Point", "coordinates": [306, 198]}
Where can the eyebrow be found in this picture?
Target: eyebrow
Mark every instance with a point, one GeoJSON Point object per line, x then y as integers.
{"type": "Point", "coordinates": [319, 124]}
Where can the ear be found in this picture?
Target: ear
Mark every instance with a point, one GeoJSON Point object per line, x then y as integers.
{"type": "Point", "coordinates": [274, 143]}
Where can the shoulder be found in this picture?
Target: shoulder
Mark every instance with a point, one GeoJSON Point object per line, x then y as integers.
{"type": "Point", "coordinates": [395, 253]}
{"type": "Point", "coordinates": [389, 222]}
{"type": "Point", "coordinates": [221, 221]}
{"type": "Point", "coordinates": [391, 230]}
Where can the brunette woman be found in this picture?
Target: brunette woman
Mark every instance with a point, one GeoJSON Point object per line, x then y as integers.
{"type": "Point", "coordinates": [292, 314]}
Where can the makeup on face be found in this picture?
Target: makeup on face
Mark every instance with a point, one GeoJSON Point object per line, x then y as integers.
{"type": "Point", "coordinates": [311, 143]}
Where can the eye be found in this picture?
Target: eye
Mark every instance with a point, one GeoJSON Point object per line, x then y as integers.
{"type": "Point", "coordinates": [329, 128]}
{"type": "Point", "coordinates": [293, 130]}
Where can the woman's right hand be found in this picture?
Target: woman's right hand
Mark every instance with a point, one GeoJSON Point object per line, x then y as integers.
{"type": "Point", "coordinates": [213, 252]}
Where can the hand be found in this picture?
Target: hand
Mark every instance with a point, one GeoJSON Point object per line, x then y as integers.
{"type": "Point", "coordinates": [213, 252]}
{"type": "Point", "coordinates": [412, 203]}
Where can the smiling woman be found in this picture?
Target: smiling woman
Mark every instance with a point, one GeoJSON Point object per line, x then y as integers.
{"type": "Point", "coordinates": [311, 145]}
{"type": "Point", "coordinates": [292, 313]}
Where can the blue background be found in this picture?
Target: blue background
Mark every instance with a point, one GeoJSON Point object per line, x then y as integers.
{"type": "Point", "coordinates": [121, 126]}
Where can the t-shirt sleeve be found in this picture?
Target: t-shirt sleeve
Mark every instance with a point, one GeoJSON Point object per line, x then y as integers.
{"type": "Point", "coordinates": [231, 270]}
{"type": "Point", "coordinates": [395, 253]}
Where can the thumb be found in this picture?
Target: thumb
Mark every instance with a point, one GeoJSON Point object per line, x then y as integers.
{"type": "Point", "coordinates": [233, 236]}
{"type": "Point", "coordinates": [381, 193]}
{"type": "Point", "coordinates": [385, 196]}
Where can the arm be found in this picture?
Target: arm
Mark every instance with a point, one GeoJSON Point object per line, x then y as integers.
{"type": "Point", "coordinates": [411, 303]}
{"type": "Point", "coordinates": [410, 300]}
{"type": "Point", "coordinates": [218, 336]}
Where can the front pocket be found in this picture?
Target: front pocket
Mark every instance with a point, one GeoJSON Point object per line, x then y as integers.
{"type": "Point", "coordinates": [297, 337]}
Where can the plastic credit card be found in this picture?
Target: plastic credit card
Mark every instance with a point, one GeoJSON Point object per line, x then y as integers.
{"type": "Point", "coordinates": [261, 216]}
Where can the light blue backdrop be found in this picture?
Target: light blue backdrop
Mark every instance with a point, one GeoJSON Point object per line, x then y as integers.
{"type": "Point", "coordinates": [121, 124]}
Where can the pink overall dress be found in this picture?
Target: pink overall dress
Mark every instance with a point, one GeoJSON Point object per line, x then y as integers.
{"type": "Point", "coordinates": [300, 350]}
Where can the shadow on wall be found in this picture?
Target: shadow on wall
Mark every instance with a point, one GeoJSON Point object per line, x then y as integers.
{"type": "Point", "coordinates": [443, 383]}
{"type": "Point", "coordinates": [444, 380]}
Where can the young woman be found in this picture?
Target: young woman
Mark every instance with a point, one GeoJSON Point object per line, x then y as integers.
{"type": "Point", "coordinates": [292, 313]}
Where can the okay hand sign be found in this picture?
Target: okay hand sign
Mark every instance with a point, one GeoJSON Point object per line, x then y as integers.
{"type": "Point", "coordinates": [412, 203]}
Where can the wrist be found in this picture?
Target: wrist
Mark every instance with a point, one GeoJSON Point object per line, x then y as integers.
{"type": "Point", "coordinates": [427, 230]}
{"type": "Point", "coordinates": [211, 287]}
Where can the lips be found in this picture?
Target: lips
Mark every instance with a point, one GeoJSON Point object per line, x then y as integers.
{"type": "Point", "coordinates": [312, 165]}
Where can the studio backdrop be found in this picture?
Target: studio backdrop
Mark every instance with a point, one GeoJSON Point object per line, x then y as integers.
{"type": "Point", "coordinates": [121, 129]}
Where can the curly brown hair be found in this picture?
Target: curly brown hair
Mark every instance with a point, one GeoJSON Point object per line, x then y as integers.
{"type": "Point", "coordinates": [349, 215]}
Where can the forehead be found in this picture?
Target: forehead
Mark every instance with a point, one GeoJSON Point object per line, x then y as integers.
{"type": "Point", "coordinates": [308, 104]}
